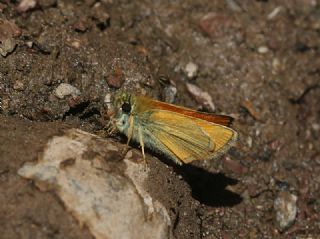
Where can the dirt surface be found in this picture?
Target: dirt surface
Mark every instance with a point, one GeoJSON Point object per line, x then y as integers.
{"type": "Point", "coordinates": [257, 60]}
{"type": "Point", "coordinates": [25, 211]}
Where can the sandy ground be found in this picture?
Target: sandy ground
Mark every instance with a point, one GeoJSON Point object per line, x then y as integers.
{"type": "Point", "coordinates": [257, 60]}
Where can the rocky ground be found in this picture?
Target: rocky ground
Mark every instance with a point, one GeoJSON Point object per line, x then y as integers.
{"type": "Point", "coordinates": [255, 60]}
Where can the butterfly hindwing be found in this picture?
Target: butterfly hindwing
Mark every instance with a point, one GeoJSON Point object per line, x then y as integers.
{"type": "Point", "coordinates": [187, 138]}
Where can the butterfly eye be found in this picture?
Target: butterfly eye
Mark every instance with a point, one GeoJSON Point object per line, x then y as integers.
{"type": "Point", "coordinates": [126, 108]}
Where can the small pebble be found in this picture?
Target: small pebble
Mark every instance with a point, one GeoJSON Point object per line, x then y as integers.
{"type": "Point", "coordinates": [274, 13]}
{"type": "Point", "coordinates": [215, 25]}
{"type": "Point", "coordinates": [65, 89]}
{"type": "Point", "coordinates": [80, 26]}
{"type": "Point", "coordinates": [4, 104]}
{"type": "Point", "coordinates": [191, 69]}
{"type": "Point", "coordinates": [170, 93]}
{"type": "Point", "coordinates": [107, 98]}
{"type": "Point", "coordinates": [276, 64]}
{"type": "Point", "coordinates": [7, 46]}
{"type": "Point", "coordinates": [201, 97]}
{"type": "Point", "coordinates": [18, 85]}
{"type": "Point", "coordinates": [29, 44]}
{"type": "Point", "coordinates": [75, 44]}
{"type": "Point", "coordinates": [234, 166]}
{"type": "Point", "coordinates": [285, 206]}
{"type": "Point", "coordinates": [116, 79]}
{"type": "Point", "coordinates": [249, 141]}
{"type": "Point", "coordinates": [315, 126]}
{"type": "Point", "coordinates": [263, 49]}
{"type": "Point", "coordinates": [100, 16]}
{"type": "Point", "coordinates": [233, 5]}
{"type": "Point", "coordinates": [26, 5]}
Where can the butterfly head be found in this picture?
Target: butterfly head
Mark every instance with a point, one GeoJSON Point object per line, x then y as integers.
{"type": "Point", "coordinates": [123, 105]}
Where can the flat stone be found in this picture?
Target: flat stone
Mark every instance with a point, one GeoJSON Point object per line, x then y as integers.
{"type": "Point", "coordinates": [65, 89]}
{"type": "Point", "coordinates": [103, 193]}
{"type": "Point", "coordinates": [285, 206]}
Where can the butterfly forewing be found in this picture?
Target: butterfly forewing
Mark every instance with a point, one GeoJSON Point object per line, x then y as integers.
{"type": "Point", "coordinates": [146, 103]}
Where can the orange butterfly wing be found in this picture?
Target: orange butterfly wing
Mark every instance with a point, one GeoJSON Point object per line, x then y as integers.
{"type": "Point", "coordinates": [148, 103]}
{"type": "Point", "coordinates": [188, 138]}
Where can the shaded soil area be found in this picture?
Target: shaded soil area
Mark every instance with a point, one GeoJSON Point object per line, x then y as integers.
{"type": "Point", "coordinates": [255, 60]}
{"type": "Point", "coordinates": [25, 211]}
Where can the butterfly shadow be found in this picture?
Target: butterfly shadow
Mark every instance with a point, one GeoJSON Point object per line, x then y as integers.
{"type": "Point", "coordinates": [209, 188]}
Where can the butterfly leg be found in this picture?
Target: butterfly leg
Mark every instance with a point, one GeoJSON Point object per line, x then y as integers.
{"type": "Point", "coordinates": [111, 129]}
{"type": "Point", "coordinates": [142, 145]}
{"type": "Point", "coordinates": [130, 129]}
{"type": "Point", "coordinates": [108, 130]}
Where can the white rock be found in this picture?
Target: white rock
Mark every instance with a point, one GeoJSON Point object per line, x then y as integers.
{"type": "Point", "coordinates": [263, 49]}
{"type": "Point", "coordinates": [26, 5]}
{"type": "Point", "coordinates": [7, 46]}
{"type": "Point", "coordinates": [315, 126]}
{"type": "Point", "coordinates": [112, 204]}
{"type": "Point", "coordinates": [107, 98]}
{"type": "Point", "coordinates": [202, 97]}
{"type": "Point", "coordinates": [233, 5]}
{"type": "Point", "coordinates": [275, 12]}
{"type": "Point", "coordinates": [18, 85]}
{"type": "Point", "coordinates": [170, 93]}
{"type": "Point", "coordinates": [65, 89]}
{"type": "Point", "coordinates": [191, 69]}
{"type": "Point", "coordinates": [285, 206]}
